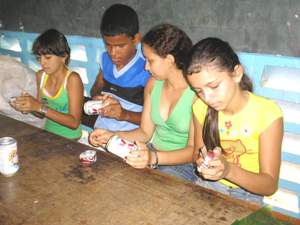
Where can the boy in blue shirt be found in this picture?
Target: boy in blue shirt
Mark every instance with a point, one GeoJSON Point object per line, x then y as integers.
{"type": "Point", "coordinates": [122, 76]}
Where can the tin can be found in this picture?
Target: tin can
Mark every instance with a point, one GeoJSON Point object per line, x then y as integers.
{"type": "Point", "coordinates": [207, 159]}
{"type": "Point", "coordinates": [120, 146]}
{"type": "Point", "coordinates": [92, 107]}
{"type": "Point", "coordinates": [8, 156]}
{"type": "Point", "coordinates": [88, 157]}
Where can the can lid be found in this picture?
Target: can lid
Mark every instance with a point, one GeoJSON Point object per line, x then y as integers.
{"type": "Point", "coordinates": [7, 140]}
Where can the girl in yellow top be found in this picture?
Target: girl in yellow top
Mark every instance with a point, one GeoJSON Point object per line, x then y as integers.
{"type": "Point", "coordinates": [60, 91]}
{"type": "Point", "coordinates": [243, 130]}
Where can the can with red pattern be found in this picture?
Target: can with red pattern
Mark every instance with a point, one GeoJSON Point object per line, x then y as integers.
{"type": "Point", "coordinates": [8, 156]}
{"type": "Point", "coordinates": [92, 107]}
{"type": "Point", "coordinates": [120, 146]}
{"type": "Point", "coordinates": [88, 157]}
{"type": "Point", "coordinates": [210, 155]}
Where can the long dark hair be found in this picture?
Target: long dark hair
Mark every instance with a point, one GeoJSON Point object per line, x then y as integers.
{"type": "Point", "coordinates": [167, 39]}
{"type": "Point", "coordinates": [220, 54]}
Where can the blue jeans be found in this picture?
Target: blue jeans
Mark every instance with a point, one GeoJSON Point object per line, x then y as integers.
{"type": "Point", "coordinates": [233, 192]}
{"type": "Point", "coordinates": [184, 171]}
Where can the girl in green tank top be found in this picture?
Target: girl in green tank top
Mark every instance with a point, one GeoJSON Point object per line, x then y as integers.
{"type": "Point", "coordinates": [59, 103]}
{"type": "Point", "coordinates": [60, 91]}
{"type": "Point", "coordinates": [174, 132]}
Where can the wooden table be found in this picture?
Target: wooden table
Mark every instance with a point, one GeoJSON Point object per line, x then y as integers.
{"type": "Point", "coordinates": [52, 188]}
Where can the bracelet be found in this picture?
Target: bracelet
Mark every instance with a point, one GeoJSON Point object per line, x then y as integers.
{"type": "Point", "coordinates": [44, 109]}
{"type": "Point", "coordinates": [153, 150]}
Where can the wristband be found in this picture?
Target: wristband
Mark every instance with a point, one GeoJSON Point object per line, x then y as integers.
{"type": "Point", "coordinates": [44, 109]}
{"type": "Point", "coordinates": [153, 151]}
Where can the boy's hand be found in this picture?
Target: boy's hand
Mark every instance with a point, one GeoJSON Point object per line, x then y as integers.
{"type": "Point", "coordinates": [112, 109]}
{"type": "Point", "coordinates": [98, 97]}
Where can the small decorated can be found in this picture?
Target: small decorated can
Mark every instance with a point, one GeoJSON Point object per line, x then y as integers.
{"type": "Point", "coordinates": [92, 107]}
{"type": "Point", "coordinates": [8, 156]}
{"type": "Point", "coordinates": [88, 157]}
{"type": "Point", "coordinates": [120, 146]}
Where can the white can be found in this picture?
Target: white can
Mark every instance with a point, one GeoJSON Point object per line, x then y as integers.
{"type": "Point", "coordinates": [120, 146]}
{"type": "Point", "coordinates": [207, 159]}
{"type": "Point", "coordinates": [88, 157]}
{"type": "Point", "coordinates": [8, 156]}
{"type": "Point", "coordinates": [92, 107]}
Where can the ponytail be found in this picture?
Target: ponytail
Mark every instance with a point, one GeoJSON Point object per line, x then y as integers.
{"type": "Point", "coordinates": [246, 83]}
{"type": "Point", "coordinates": [210, 130]}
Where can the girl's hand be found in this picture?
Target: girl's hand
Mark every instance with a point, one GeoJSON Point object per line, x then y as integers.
{"type": "Point", "coordinates": [27, 103]}
{"type": "Point", "coordinates": [140, 158]}
{"type": "Point", "coordinates": [217, 169]}
{"type": "Point", "coordinates": [99, 137]}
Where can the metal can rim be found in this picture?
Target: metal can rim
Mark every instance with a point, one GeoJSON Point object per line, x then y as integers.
{"type": "Point", "coordinates": [7, 140]}
{"type": "Point", "coordinates": [110, 140]}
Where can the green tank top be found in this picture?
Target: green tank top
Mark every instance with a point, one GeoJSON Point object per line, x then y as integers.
{"type": "Point", "coordinates": [173, 133]}
{"type": "Point", "coordinates": [60, 103]}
